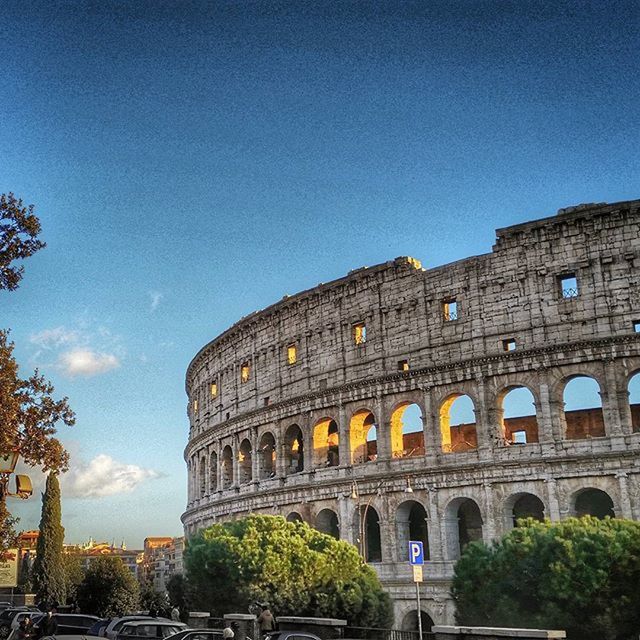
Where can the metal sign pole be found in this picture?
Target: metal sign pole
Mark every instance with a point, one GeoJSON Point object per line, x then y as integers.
{"type": "Point", "coordinates": [419, 611]}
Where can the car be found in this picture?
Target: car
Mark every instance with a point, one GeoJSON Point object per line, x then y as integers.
{"type": "Point", "coordinates": [6, 618]}
{"type": "Point", "coordinates": [21, 615]}
{"type": "Point", "coordinates": [115, 625]}
{"type": "Point", "coordinates": [153, 628]}
{"type": "Point", "coordinates": [99, 627]}
{"type": "Point", "coordinates": [197, 634]}
{"type": "Point", "coordinates": [290, 635]}
{"type": "Point", "coordinates": [71, 624]}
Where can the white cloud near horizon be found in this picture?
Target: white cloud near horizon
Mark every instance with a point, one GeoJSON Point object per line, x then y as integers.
{"type": "Point", "coordinates": [156, 299]}
{"type": "Point", "coordinates": [86, 362]}
{"type": "Point", "coordinates": [103, 476]}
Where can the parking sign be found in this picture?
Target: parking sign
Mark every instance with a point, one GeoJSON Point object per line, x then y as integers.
{"type": "Point", "coordinates": [416, 552]}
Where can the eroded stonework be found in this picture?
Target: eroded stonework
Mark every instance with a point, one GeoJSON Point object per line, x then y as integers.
{"type": "Point", "coordinates": [283, 403]}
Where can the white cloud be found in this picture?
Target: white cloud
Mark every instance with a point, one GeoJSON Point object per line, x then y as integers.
{"type": "Point", "coordinates": [156, 298]}
{"type": "Point", "coordinates": [86, 362]}
{"type": "Point", "coordinates": [54, 338]}
{"type": "Point", "coordinates": [104, 476]}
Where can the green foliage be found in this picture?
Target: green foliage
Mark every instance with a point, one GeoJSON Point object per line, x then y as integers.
{"type": "Point", "coordinates": [25, 584]}
{"type": "Point", "coordinates": [298, 570]}
{"type": "Point", "coordinates": [580, 575]}
{"type": "Point", "coordinates": [108, 589]}
{"type": "Point", "coordinates": [153, 601]}
{"type": "Point", "coordinates": [178, 591]}
{"type": "Point", "coordinates": [19, 229]}
{"type": "Point", "coordinates": [73, 576]}
{"type": "Point", "coordinates": [48, 567]}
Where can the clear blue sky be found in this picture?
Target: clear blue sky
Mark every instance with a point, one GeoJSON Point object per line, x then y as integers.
{"type": "Point", "coordinates": [194, 161]}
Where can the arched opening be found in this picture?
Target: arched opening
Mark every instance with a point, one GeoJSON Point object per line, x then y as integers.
{"type": "Point", "coordinates": [203, 478]}
{"type": "Point", "coordinates": [411, 524]}
{"type": "Point", "coordinates": [227, 467]}
{"type": "Point", "coordinates": [521, 506]}
{"type": "Point", "coordinates": [326, 440]}
{"type": "Point", "coordinates": [634, 401]}
{"type": "Point", "coordinates": [372, 542]}
{"type": "Point", "coordinates": [213, 471]}
{"type": "Point", "coordinates": [463, 524]}
{"type": "Point", "coordinates": [410, 622]}
{"type": "Point", "coordinates": [294, 516]}
{"type": "Point", "coordinates": [458, 424]}
{"type": "Point", "coordinates": [583, 408]}
{"type": "Point", "coordinates": [519, 423]}
{"type": "Point", "coordinates": [294, 450]}
{"type": "Point", "coordinates": [327, 522]}
{"type": "Point", "coordinates": [593, 502]}
{"type": "Point", "coordinates": [267, 456]}
{"type": "Point", "coordinates": [407, 434]}
{"type": "Point", "coordinates": [363, 437]}
{"type": "Point", "coordinates": [245, 462]}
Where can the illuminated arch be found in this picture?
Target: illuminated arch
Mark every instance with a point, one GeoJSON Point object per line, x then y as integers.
{"type": "Point", "coordinates": [267, 456]}
{"type": "Point", "coordinates": [407, 434]}
{"type": "Point", "coordinates": [245, 462]}
{"type": "Point", "coordinates": [227, 467]}
{"type": "Point", "coordinates": [363, 437]}
{"type": "Point", "coordinates": [583, 415]}
{"type": "Point", "coordinates": [294, 450]}
{"type": "Point", "coordinates": [457, 424]}
{"type": "Point", "coordinates": [326, 443]}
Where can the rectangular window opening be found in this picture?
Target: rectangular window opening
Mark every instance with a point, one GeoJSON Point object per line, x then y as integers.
{"type": "Point", "coordinates": [266, 401]}
{"type": "Point", "coordinates": [450, 309]}
{"type": "Point", "coordinates": [360, 333]}
{"type": "Point", "coordinates": [519, 437]}
{"type": "Point", "coordinates": [509, 345]}
{"type": "Point", "coordinates": [195, 406]}
{"type": "Point", "coordinates": [245, 372]}
{"type": "Point", "coordinates": [403, 365]}
{"type": "Point", "coordinates": [214, 389]}
{"type": "Point", "coordinates": [568, 284]}
{"type": "Point", "coordinates": [636, 326]}
{"type": "Point", "coordinates": [292, 354]}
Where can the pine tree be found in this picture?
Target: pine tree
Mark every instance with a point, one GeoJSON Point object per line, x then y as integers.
{"type": "Point", "coordinates": [48, 568]}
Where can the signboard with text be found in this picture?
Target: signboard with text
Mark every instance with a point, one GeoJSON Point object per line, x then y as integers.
{"type": "Point", "coordinates": [9, 570]}
{"type": "Point", "coordinates": [416, 552]}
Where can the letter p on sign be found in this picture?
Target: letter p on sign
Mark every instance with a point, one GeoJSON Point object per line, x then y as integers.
{"type": "Point", "coordinates": [416, 552]}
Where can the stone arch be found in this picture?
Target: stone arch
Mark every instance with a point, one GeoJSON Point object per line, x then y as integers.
{"type": "Point", "coordinates": [463, 525]}
{"type": "Point", "coordinates": [293, 450]}
{"type": "Point", "coordinates": [517, 415]}
{"type": "Point", "coordinates": [592, 502]}
{"type": "Point", "coordinates": [522, 505]}
{"type": "Point", "coordinates": [202, 476]}
{"type": "Point", "coordinates": [410, 621]}
{"type": "Point", "coordinates": [267, 456]}
{"type": "Point", "coordinates": [245, 462]}
{"type": "Point", "coordinates": [327, 522]}
{"type": "Point", "coordinates": [407, 431]}
{"type": "Point", "coordinates": [227, 467]}
{"type": "Point", "coordinates": [411, 524]}
{"type": "Point", "coordinates": [583, 415]}
{"type": "Point", "coordinates": [371, 535]}
{"type": "Point", "coordinates": [458, 433]}
{"type": "Point", "coordinates": [294, 516]}
{"type": "Point", "coordinates": [326, 443]}
{"type": "Point", "coordinates": [213, 472]}
{"type": "Point", "coordinates": [362, 425]}
{"type": "Point", "coordinates": [633, 388]}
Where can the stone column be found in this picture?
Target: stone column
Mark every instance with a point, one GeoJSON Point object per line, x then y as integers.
{"type": "Point", "coordinates": [625, 499]}
{"type": "Point", "coordinates": [383, 433]}
{"type": "Point", "coordinates": [483, 428]}
{"type": "Point", "coordinates": [489, 528]}
{"type": "Point", "coordinates": [234, 460]}
{"type": "Point", "coordinates": [430, 426]}
{"type": "Point", "coordinates": [219, 469]}
{"type": "Point", "coordinates": [434, 526]}
{"type": "Point", "coordinates": [552, 499]}
{"type": "Point", "coordinates": [255, 456]}
{"type": "Point", "coordinates": [609, 395]}
{"type": "Point", "coordinates": [543, 414]}
{"type": "Point", "coordinates": [344, 451]}
{"type": "Point", "coordinates": [346, 508]}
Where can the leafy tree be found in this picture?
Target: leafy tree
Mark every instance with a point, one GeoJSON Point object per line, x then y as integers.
{"type": "Point", "coordinates": [298, 570]}
{"type": "Point", "coordinates": [580, 575]}
{"type": "Point", "coordinates": [48, 568]}
{"type": "Point", "coordinates": [153, 601]}
{"type": "Point", "coordinates": [178, 591]}
{"type": "Point", "coordinates": [19, 229]}
{"type": "Point", "coordinates": [108, 588]}
{"type": "Point", "coordinates": [73, 576]}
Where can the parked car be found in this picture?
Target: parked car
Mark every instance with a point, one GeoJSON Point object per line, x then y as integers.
{"type": "Point", "coordinates": [116, 623]}
{"type": "Point", "coordinates": [99, 627]}
{"type": "Point", "coordinates": [153, 629]}
{"type": "Point", "coordinates": [290, 635]}
{"type": "Point", "coordinates": [6, 618]}
{"type": "Point", "coordinates": [71, 624]}
{"type": "Point", "coordinates": [197, 634]}
{"type": "Point", "coordinates": [24, 614]}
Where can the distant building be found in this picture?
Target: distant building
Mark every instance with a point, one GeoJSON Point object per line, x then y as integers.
{"type": "Point", "coordinates": [162, 559]}
{"type": "Point", "coordinates": [91, 550]}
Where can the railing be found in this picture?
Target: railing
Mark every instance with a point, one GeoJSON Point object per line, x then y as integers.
{"type": "Point", "coordinates": [369, 633]}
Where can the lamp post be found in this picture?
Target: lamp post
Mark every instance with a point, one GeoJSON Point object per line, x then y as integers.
{"type": "Point", "coordinates": [8, 463]}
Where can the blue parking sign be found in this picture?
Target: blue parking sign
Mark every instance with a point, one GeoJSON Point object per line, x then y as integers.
{"type": "Point", "coordinates": [416, 552]}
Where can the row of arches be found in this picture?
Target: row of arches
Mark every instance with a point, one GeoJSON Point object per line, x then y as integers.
{"type": "Point", "coordinates": [462, 520]}
{"type": "Point", "coordinates": [517, 416]}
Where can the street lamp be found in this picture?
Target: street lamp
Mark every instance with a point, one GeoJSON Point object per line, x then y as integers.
{"type": "Point", "coordinates": [8, 463]}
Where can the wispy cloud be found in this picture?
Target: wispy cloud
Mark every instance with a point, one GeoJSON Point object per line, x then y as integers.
{"type": "Point", "coordinates": [54, 338]}
{"type": "Point", "coordinates": [87, 363]}
{"type": "Point", "coordinates": [104, 476]}
{"type": "Point", "coordinates": [156, 299]}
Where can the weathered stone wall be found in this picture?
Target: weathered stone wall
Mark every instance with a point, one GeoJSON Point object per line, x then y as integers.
{"type": "Point", "coordinates": [243, 454]}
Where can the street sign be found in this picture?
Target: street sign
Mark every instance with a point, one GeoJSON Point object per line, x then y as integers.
{"type": "Point", "coordinates": [417, 573]}
{"type": "Point", "coordinates": [416, 552]}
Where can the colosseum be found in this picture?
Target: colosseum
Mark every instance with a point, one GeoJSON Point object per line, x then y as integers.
{"type": "Point", "coordinates": [401, 403]}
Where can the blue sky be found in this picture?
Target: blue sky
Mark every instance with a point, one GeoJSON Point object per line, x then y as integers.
{"type": "Point", "coordinates": [194, 161]}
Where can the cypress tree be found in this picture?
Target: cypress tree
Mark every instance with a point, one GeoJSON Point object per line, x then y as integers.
{"type": "Point", "coordinates": [48, 568]}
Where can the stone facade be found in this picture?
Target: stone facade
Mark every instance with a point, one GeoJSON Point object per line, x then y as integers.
{"type": "Point", "coordinates": [282, 404]}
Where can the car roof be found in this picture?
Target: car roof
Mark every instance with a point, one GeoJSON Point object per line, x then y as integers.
{"type": "Point", "coordinates": [160, 621]}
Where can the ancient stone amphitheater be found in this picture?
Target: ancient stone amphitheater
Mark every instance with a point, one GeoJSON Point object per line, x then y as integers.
{"type": "Point", "coordinates": [309, 408]}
